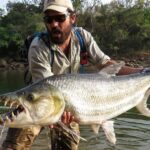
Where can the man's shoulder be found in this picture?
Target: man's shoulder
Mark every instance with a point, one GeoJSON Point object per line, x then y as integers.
{"type": "Point", "coordinates": [86, 35]}
{"type": "Point", "coordinates": [80, 29]}
{"type": "Point", "coordinates": [38, 46]}
{"type": "Point", "coordinates": [38, 42]}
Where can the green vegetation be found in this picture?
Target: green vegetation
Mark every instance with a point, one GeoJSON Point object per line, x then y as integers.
{"type": "Point", "coordinates": [119, 27]}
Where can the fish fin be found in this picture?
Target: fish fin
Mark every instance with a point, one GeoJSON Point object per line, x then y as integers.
{"type": "Point", "coordinates": [95, 128]}
{"type": "Point", "coordinates": [142, 106]}
{"type": "Point", "coordinates": [69, 131]}
{"type": "Point", "coordinates": [108, 128]}
{"type": "Point", "coordinates": [112, 70]}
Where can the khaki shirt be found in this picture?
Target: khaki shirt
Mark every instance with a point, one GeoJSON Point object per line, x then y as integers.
{"type": "Point", "coordinates": [40, 57]}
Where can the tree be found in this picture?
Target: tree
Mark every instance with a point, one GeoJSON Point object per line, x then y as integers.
{"type": "Point", "coordinates": [20, 21]}
{"type": "Point", "coordinates": [1, 13]}
{"type": "Point", "coordinates": [118, 27]}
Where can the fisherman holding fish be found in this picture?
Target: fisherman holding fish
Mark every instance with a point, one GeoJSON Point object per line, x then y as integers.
{"type": "Point", "coordinates": [64, 51]}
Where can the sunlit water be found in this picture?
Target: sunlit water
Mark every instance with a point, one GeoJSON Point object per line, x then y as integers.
{"type": "Point", "coordinates": [132, 129]}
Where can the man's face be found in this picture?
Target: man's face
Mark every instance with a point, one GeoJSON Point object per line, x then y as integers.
{"type": "Point", "coordinates": [59, 25]}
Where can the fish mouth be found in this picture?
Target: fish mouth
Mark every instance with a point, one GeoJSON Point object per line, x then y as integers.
{"type": "Point", "coordinates": [10, 110]}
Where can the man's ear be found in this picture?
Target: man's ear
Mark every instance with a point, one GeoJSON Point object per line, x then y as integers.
{"type": "Point", "coordinates": [73, 19]}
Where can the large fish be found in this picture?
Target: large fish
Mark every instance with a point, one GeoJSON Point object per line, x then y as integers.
{"type": "Point", "coordinates": [92, 98]}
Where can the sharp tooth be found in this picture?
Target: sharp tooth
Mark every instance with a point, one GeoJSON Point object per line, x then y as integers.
{"type": "Point", "coordinates": [13, 115]}
{"type": "Point", "coordinates": [6, 102]}
{"type": "Point", "coordinates": [12, 103]}
{"type": "Point", "coordinates": [1, 119]}
{"type": "Point", "coordinates": [7, 119]}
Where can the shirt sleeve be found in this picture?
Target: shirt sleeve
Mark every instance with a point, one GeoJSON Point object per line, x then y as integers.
{"type": "Point", "coordinates": [95, 54]}
{"type": "Point", "coordinates": [39, 60]}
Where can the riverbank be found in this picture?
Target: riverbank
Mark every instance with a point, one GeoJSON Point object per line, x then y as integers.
{"type": "Point", "coordinates": [134, 60]}
{"type": "Point", "coordinates": [11, 64]}
{"type": "Point", "coordinates": [138, 59]}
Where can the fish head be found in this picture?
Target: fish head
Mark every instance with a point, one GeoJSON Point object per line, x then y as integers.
{"type": "Point", "coordinates": [33, 105]}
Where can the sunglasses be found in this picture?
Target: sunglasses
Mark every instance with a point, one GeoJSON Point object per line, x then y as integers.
{"type": "Point", "coordinates": [57, 18]}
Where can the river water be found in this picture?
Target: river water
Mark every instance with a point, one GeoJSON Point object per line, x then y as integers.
{"type": "Point", "coordinates": [132, 129]}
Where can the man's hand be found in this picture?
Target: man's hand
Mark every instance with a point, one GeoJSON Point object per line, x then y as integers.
{"type": "Point", "coordinates": [66, 118]}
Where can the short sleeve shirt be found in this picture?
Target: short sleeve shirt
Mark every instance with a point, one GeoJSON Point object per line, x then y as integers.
{"type": "Point", "coordinates": [40, 56]}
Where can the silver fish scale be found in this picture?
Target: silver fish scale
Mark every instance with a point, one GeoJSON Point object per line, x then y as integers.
{"type": "Point", "coordinates": [93, 97]}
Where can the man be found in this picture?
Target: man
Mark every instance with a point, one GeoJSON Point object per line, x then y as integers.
{"type": "Point", "coordinates": [59, 18]}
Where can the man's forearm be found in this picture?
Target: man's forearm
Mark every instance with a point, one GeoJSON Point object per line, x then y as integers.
{"type": "Point", "coordinates": [127, 69]}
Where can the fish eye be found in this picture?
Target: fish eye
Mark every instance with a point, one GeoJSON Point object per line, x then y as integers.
{"type": "Point", "coordinates": [30, 97]}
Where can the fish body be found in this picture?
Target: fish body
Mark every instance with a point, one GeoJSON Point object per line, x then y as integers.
{"type": "Point", "coordinates": [95, 98]}
{"type": "Point", "coordinates": [92, 98]}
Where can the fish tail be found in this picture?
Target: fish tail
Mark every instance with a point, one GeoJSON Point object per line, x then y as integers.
{"type": "Point", "coordinates": [143, 105]}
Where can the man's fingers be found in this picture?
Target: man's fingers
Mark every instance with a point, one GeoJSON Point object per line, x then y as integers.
{"type": "Point", "coordinates": [67, 117]}
{"type": "Point", "coordinates": [51, 126]}
{"type": "Point", "coordinates": [64, 117]}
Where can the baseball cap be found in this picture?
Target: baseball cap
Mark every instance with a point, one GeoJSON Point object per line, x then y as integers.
{"type": "Point", "coordinates": [58, 5]}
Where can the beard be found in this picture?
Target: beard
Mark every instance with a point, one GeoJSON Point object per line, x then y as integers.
{"type": "Point", "coordinates": [59, 37]}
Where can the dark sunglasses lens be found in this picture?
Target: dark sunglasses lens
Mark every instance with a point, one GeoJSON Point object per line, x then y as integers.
{"type": "Point", "coordinates": [47, 19]}
{"type": "Point", "coordinates": [59, 18]}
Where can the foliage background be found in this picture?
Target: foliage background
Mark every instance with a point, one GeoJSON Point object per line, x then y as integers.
{"type": "Point", "coordinates": [121, 27]}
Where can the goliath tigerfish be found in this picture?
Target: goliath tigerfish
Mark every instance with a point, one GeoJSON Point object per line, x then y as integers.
{"type": "Point", "coordinates": [92, 98]}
